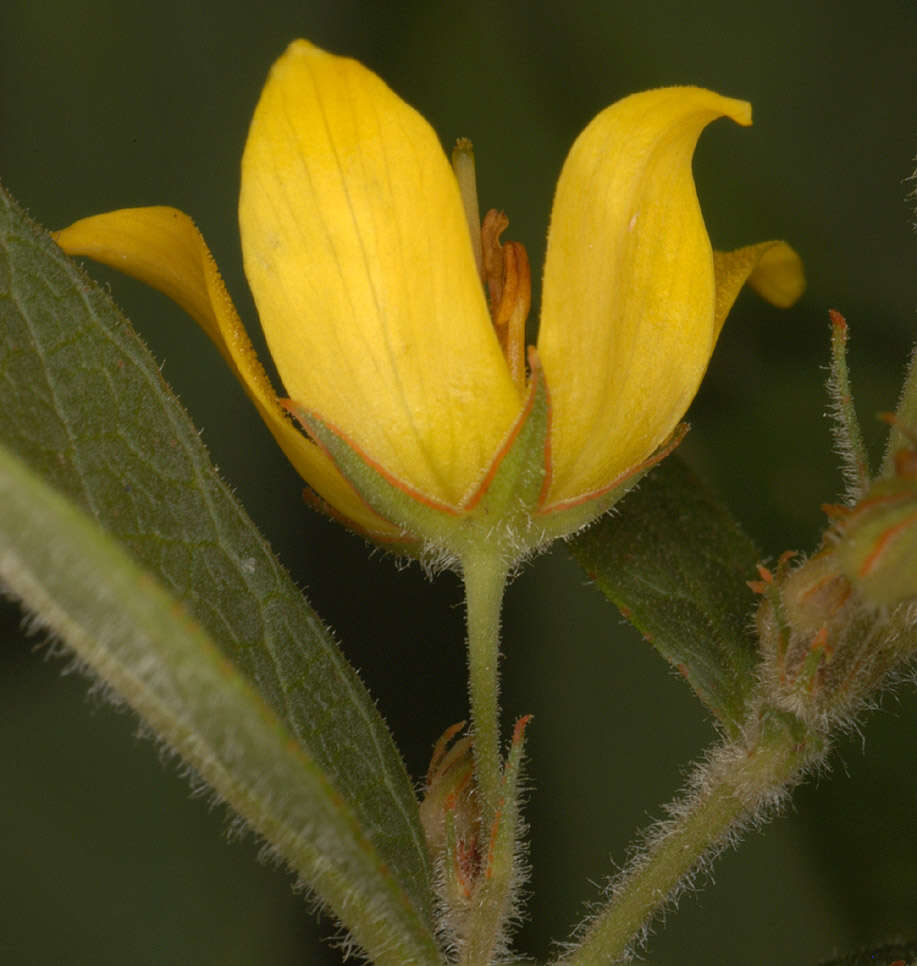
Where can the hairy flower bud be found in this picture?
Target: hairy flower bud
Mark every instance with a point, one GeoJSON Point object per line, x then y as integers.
{"type": "Point", "coordinates": [802, 625]}
{"type": "Point", "coordinates": [450, 814]}
{"type": "Point", "coordinates": [877, 538]}
{"type": "Point", "coordinates": [825, 644]}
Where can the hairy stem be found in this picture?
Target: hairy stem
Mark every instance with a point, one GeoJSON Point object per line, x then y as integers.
{"type": "Point", "coordinates": [485, 578]}
{"type": "Point", "coordinates": [730, 789]}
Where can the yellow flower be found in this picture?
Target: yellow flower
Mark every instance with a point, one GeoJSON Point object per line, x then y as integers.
{"type": "Point", "coordinates": [357, 249]}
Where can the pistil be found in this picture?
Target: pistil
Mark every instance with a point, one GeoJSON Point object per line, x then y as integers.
{"type": "Point", "coordinates": [463, 166]}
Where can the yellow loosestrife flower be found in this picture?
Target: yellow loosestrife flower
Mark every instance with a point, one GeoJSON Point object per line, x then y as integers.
{"type": "Point", "coordinates": [357, 249]}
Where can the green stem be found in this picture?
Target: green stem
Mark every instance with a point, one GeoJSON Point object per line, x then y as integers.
{"type": "Point", "coordinates": [732, 787]}
{"type": "Point", "coordinates": [485, 578]}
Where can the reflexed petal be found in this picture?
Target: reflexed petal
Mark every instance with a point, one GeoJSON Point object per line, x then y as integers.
{"type": "Point", "coordinates": [627, 322]}
{"type": "Point", "coordinates": [771, 268]}
{"type": "Point", "coordinates": [162, 247]}
{"type": "Point", "coordinates": [357, 251]}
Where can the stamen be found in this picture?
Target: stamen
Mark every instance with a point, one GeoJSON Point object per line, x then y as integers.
{"type": "Point", "coordinates": [503, 269]}
{"type": "Point", "coordinates": [509, 288]}
{"type": "Point", "coordinates": [463, 166]}
{"type": "Point", "coordinates": [495, 222]}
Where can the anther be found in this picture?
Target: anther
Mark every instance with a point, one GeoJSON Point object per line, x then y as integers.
{"type": "Point", "coordinates": [503, 268]}
{"type": "Point", "coordinates": [509, 288]}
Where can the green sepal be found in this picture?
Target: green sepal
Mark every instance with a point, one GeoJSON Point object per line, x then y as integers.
{"type": "Point", "coordinates": [675, 563]}
{"type": "Point", "coordinates": [578, 516]}
{"type": "Point", "coordinates": [499, 513]}
{"type": "Point", "coordinates": [453, 896]}
{"type": "Point", "coordinates": [876, 539]}
{"type": "Point", "coordinates": [418, 518]}
{"type": "Point", "coordinates": [905, 420]}
{"type": "Point", "coordinates": [877, 542]}
{"type": "Point", "coordinates": [847, 433]}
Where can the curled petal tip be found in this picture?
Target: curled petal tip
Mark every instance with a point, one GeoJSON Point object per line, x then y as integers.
{"type": "Point", "coordinates": [771, 268]}
{"type": "Point", "coordinates": [779, 276]}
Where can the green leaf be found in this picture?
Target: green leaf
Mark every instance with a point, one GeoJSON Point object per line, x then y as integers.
{"type": "Point", "coordinates": [83, 402]}
{"type": "Point", "coordinates": [118, 619]}
{"type": "Point", "coordinates": [675, 562]}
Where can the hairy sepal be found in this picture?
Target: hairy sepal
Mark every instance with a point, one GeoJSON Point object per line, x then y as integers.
{"type": "Point", "coordinates": [501, 509]}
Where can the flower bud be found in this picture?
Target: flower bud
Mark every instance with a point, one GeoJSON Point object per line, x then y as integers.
{"type": "Point", "coordinates": [451, 817]}
{"type": "Point", "coordinates": [877, 538]}
{"type": "Point", "coordinates": [803, 628]}
{"type": "Point", "coordinates": [826, 644]}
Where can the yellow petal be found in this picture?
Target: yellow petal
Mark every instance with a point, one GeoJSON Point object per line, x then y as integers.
{"type": "Point", "coordinates": [358, 254]}
{"type": "Point", "coordinates": [627, 323]}
{"type": "Point", "coordinates": [771, 268]}
{"type": "Point", "coordinates": [162, 247]}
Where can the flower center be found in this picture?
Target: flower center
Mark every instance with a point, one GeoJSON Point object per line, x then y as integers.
{"type": "Point", "coordinates": [503, 268]}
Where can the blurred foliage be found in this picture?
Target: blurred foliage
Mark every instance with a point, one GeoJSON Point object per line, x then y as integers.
{"type": "Point", "coordinates": [106, 104]}
{"type": "Point", "coordinates": [895, 955]}
{"type": "Point", "coordinates": [676, 565]}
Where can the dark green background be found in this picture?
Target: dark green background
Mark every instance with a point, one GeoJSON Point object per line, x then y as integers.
{"type": "Point", "coordinates": [104, 857]}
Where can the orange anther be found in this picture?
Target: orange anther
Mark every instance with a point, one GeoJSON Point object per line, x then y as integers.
{"type": "Point", "coordinates": [509, 289]}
